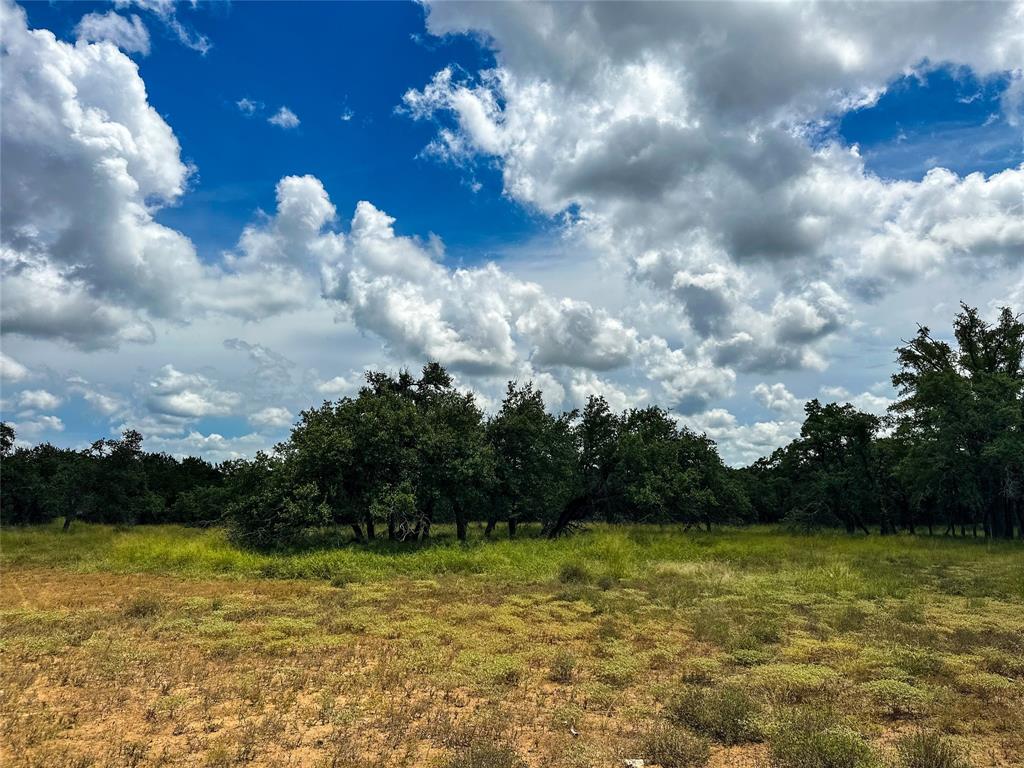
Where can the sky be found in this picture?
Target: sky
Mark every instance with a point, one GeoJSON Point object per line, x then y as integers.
{"type": "Point", "coordinates": [215, 215]}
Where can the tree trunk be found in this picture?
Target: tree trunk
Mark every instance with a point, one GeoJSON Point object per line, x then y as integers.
{"type": "Point", "coordinates": [491, 522]}
{"type": "Point", "coordinates": [358, 531]}
{"type": "Point", "coordinates": [460, 523]}
{"type": "Point", "coordinates": [574, 510]}
{"type": "Point", "coordinates": [371, 532]}
{"type": "Point", "coordinates": [391, 527]}
{"type": "Point", "coordinates": [513, 523]}
{"type": "Point", "coordinates": [68, 519]}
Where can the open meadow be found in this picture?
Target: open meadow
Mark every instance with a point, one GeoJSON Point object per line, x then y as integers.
{"type": "Point", "coordinates": [159, 646]}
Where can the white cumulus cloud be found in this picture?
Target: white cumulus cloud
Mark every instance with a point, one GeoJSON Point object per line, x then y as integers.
{"type": "Point", "coordinates": [284, 118]}
{"type": "Point", "coordinates": [127, 33]}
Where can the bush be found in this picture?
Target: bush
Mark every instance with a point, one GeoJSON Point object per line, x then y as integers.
{"type": "Point", "coordinates": [672, 747]}
{"type": "Point", "coordinates": [268, 508]}
{"type": "Point", "coordinates": [984, 685]}
{"type": "Point", "coordinates": [486, 756]}
{"type": "Point", "coordinates": [701, 671]}
{"type": "Point", "coordinates": [810, 741]}
{"type": "Point", "coordinates": [927, 749]}
{"type": "Point", "coordinates": [142, 607]}
{"type": "Point", "coordinates": [563, 667]}
{"type": "Point", "coordinates": [573, 573]}
{"type": "Point", "coordinates": [727, 714]}
{"type": "Point", "coordinates": [896, 698]}
{"type": "Point", "coordinates": [791, 683]}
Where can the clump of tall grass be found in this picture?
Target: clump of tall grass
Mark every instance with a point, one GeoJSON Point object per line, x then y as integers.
{"type": "Point", "coordinates": [725, 713]}
{"type": "Point", "coordinates": [673, 747]}
{"type": "Point", "coordinates": [927, 749]}
{"type": "Point", "coordinates": [486, 756]}
{"type": "Point", "coordinates": [810, 739]}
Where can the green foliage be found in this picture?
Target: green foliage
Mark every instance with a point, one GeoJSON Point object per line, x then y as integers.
{"type": "Point", "coordinates": [897, 699]}
{"type": "Point", "coordinates": [563, 667]}
{"type": "Point", "coordinates": [811, 740]}
{"type": "Point", "coordinates": [268, 507]}
{"type": "Point", "coordinates": [574, 573]}
{"type": "Point", "coordinates": [725, 713]}
{"type": "Point", "coordinates": [927, 749]}
{"type": "Point", "coordinates": [486, 756]}
{"type": "Point", "coordinates": [955, 457]}
{"type": "Point", "coordinates": [409, 453]}
{"type": "Point", "coordinates": [672, 747]}
{"type": "Point", "coordinates": [142, 606]}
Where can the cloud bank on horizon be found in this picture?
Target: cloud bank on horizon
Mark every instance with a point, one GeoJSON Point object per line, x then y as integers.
{"type": "Point", "coordinates": [719, 248]}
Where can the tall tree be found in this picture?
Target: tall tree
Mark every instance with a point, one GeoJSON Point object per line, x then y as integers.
{"type": "Point", "coordinates": [961, 413]}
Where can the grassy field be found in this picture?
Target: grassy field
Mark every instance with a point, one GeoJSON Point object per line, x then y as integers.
{"type": "Point", "coordinates": [169, 646]}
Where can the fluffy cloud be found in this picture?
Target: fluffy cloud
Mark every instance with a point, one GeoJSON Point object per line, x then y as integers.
{"type": "Point", "coordinates": [128, 34]}
{"type": "Point", "coordinates": [38, 400]}
{"type": "Point", "coordinates": [284, 118]}
{"type": "Point", "coordinates": [777, 398]}
{"type": "Point", "coordinates": [672, 145]}
{"type": "Point", "coordinates": [11, 370]}
{"type": "Point", "coordinates": [273, 416]}
{"type": "Point", "coordinates": [478, 320]}
{"type": "Point", "coordinates": [741, 444]}
{"type": "Point", "coordinates": [712, 227]}
{"type": "Point", "coordinates": [188, 395]}
{"type": "Point", "coordinates": [248, 107]}
{"type": "Point", "coordinates": [214, 447]}
{"type": "Point", "coordinates": [86, 161]}
{"type": "Point", "coordinates": [37, 427]}
{"type": "Point", "coordinates": [339, 386]}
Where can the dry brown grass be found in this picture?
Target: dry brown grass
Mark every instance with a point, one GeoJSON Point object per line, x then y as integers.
{"type": "Point", "coordinates": [141, 670]}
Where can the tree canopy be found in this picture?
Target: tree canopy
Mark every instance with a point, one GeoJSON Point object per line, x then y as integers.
{"type": "Point", "coordinates": [408, 452]}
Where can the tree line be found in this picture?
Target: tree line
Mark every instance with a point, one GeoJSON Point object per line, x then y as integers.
{"type": "Point", "coordinates": [407, 453]}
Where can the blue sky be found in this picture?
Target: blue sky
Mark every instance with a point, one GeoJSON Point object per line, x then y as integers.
{"type": "Point", "coordinates": [322, 60]}
{"type": "Point", "coordinates": [631, 212]}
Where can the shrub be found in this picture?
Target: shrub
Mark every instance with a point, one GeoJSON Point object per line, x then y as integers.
{"type": "Point", "coordinates": [142, 607]}
{"type": "Point", "coordinates": [574, 573]}
{"type": "Point", "coordinates": [618, 670]}
{"type": "Point", "coordinates": [896, 698]}
{"type": "Point", "coordinates": [910, 612]}
{"type": "Point", "coordinates": [727, 713]}
{"type": "Point", "coordinates": [985, 685]}
{"type": "Point", "coordinates": [927, 749]}
{"type": "Point", "coordinates": [701, 671]}
{"type": "Point", "coordinates": [606, 581]}
{"type": "Point", "coordinates": [672, 747]}
{"type": "Point", "coordinates": [791, 683]}
{"type": "Point", "coordinates": [486, 756]}
{"type": "Point", "coordinates": [749, 657]}
{"type": "Point", "coordinates": [563, 666]}
{"type": "Point", "coordinates": [808, 740]}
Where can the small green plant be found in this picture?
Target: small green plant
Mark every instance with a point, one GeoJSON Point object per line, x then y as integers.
{"type": "Point", "coordinates": [791, 683]}
{"type": "Point", "coordinates": [727, 714]}
{"type": "Point", "coordinates": [896, 699]}
{"type": "Point", "coordinates": [142, 607]}
{"type": "Point", "coordinates": [606, 581]}
{"type": "Point", "coordinates": [984, 685]}
{"type": "Point", "coordinates": [486, 756]}
{"type": "Point", "coordinates": [701, 671]}
{"type": "Point", "coordinates": [910, 612]}
{"type": "Point", "coordinates": [563, 667]}
{"type": "Point", "coordinates": [673, 747]}
{"type": "Point", "coordinates": [810, 740]}
{"type": "Point", "coordinates": [927, 749]}
{"type": "Point", "coordinates": [574, 573]}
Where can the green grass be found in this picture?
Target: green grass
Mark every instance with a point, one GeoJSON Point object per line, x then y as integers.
{"type": "Point", "coordinates": [618, 642]}
{"type": "Point", "coordinates": [825, 564]}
